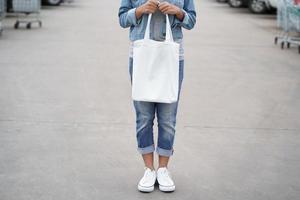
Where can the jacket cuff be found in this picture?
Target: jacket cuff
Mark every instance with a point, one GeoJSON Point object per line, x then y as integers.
{"type": "Point", "coordinates": [185, 20]}
{"type": "Point", "coordinates": [132, 17]}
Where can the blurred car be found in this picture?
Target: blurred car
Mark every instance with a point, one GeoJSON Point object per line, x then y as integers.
{"type": "Point", "coordinates": [255, 6]}
{"type": "Point", "coordinates": [238, 3]}
{"type": "Point", "coordinates": [262, 6]}
{"type": "Point", "coordinates": [52, 2]}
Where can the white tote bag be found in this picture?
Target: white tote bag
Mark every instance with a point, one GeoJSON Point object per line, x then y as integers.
{"type": "Point", "coordinates": [155, 76]}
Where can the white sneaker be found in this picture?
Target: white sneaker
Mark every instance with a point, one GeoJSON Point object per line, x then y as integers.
{"type": "Point", "coordinates": [166, 184]}
{"type": "Point", "coordinates": [147, 182]}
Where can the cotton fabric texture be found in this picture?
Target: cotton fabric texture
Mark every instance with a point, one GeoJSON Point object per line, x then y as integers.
{"type": "Point", "coordinates": [155, 68]}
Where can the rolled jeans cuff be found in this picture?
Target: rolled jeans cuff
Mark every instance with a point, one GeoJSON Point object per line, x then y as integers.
{"type": "Point", "coordinates": [146, 150]}
{"type": "Point", "coordinates": [164, 152]}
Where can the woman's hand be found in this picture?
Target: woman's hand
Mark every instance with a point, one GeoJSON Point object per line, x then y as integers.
{"type": "Point", "coordinates": [149, 7]}
{"type": "Point", "coordinates": [171, 9]}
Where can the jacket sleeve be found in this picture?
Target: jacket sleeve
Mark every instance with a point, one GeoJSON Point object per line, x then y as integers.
{"type": "Point", "coordinates": [189, 19]}
{"type": "Point", "coordinates": [126, 14]}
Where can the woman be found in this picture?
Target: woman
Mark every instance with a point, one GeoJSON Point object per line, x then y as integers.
{"type": "Point", "coordinates": [134, 14]}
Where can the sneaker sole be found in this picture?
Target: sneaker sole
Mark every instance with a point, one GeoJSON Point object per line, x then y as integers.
{"type": "Point", "coordinates": [167, 188]}
{"type": "Point", "coordinates": [145, 189]}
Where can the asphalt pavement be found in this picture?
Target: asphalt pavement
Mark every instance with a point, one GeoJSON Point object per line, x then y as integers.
{"type": "Point", "coordinates": [67, 124]}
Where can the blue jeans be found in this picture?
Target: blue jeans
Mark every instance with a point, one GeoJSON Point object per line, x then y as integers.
{"type": "Point", "coordinates": [166, 119]}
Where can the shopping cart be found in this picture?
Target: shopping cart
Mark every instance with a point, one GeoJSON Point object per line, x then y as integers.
{"type": "Point", "coordinates": [2, 13]}
{"type": "Point", "coordinates": [288, 18]}
{"type": "Point", "coordinates": [27, 12]}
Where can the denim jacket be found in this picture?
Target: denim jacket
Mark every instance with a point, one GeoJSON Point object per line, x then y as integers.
{"type": "Point", "coordinates": [127, 18]}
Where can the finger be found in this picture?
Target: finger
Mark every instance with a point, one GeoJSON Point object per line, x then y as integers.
{"type": "Point", "coordinates": [163, 6]}
{"type": "Point", "coordinates": [164, 9]}
{"type": "Point", "coordinates": [153, 4]}
{"type": "Point", "coordinates": [167, 11]}
{"type": "Point", "coordinates": [164, 12]}
{"type": "Point", "coordinates": [151, 10]}
{"type": "Point", "coordinates": [153, 7]}
{"type": "Point", "coordinates": [164, 3]}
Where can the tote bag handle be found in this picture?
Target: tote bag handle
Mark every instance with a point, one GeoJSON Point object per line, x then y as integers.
{"type": "Point", "coordinates": [169, 35]}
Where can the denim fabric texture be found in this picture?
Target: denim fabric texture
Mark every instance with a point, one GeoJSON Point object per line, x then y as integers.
{"type": "Point", "coordinates": [127, 19]}
{"type": "Point", "coordinates": [166, 120]}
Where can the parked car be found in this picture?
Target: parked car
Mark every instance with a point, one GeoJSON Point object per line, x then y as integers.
{"type": "Point", "coordinates": [255, 6]}
{"type": "Point", "coordinates": [262, 6]}
{"type": "Point", "coordinates": [238, 3]}
{"type": "Point", "coordinates": [52, 2]}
